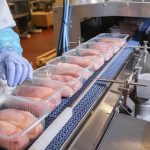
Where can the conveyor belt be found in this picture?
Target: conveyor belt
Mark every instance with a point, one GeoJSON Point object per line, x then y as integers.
{"type": "Point", "coordinates": [91, 97]}
{"type": "Point", "coordinates": [146, 24]}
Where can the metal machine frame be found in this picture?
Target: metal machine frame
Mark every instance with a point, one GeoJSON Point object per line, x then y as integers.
{"type": "Point", "coordinates": [100, 117]}
{"type": "Point", "coordinates": [97, 8]}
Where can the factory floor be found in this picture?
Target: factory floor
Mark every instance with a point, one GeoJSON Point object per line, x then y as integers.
{"type": "Point", "coordinates": [38, 44]}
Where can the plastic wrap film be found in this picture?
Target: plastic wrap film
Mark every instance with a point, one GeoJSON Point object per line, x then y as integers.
{"type": "Point", "coordinates": [9, 41]}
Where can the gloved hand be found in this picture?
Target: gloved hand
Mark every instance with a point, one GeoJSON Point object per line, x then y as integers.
{"type": "Point", "coordinates": [14, 68]}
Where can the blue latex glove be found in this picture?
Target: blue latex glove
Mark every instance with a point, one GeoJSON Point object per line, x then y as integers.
{"type": "Point", "coordinates": [14, 68]}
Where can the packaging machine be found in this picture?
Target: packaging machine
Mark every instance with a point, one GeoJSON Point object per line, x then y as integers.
{"type": "Point", "coordinates": [107, 114]}
{"type": "Point", "coordinates": [83, 10]}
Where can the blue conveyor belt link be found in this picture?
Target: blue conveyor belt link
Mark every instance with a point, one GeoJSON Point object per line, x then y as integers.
{"type": "Point", "coordinates": [88, 100]}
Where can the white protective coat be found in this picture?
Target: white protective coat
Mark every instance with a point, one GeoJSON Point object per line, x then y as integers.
{"type": "Point", "coordinates": [6, 19]}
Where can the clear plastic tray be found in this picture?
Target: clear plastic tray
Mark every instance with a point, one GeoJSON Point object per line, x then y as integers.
{"type": "Point", "coordinates": [71, 60]}
{"type": "Point", "coordinates": [109, 41]}
{"type": "Point", "coordinates": [70, 68]}
{"type": "Point", "coordinates": [29, 132]}
{"type": "Point", "coordinates": [56, 90]}
{"type": "Point", "coordinates": [97, 59]}
{"type": "Point", "coordinates": [115, 48]}
{"type": "Point", "coordinates": [100, 47]}
{"type": "Point", "coordinates": [81, 53]}
{"type": "Point", "coordinates": [47, 71]}
{"type": "Point", "coordinates": [112, 35]}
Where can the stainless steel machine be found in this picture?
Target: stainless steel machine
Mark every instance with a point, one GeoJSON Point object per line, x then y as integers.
{"type": "Point", "coordinates": [107, 113]}
{"type": "Point", "coordinates": [85, 9]}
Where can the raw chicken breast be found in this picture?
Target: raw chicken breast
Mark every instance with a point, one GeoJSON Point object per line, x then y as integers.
{"type": "Point", "coordinates": [56, 77]}
{"type": "Point", "coordinates": [66, 91]}
{"type": "Point", "coordinates": [67, 78]}
{"type": "Point", "coordinates": [102, 50]}
{"type": "Point", "coordinates": [80, 61]}
{"type": "Point", "coordinates": [110, 46]}
{"type": "Point", "coordinates": [101, 46]}
{"type": "Point", "coordinates": [53, 102]}
{"type": "Point", "coordinates": [68, 69]}
{"type": "Point", "coordinates": [75, 85]}
{"type": "Point", "coordinates": [72, 70]}
{"type": "Point", "coordinates": [63, 78]}
{"type": "Point", "coordinates": [34, 91]}
{"type": "Point", "coordinates": [21, 119]}
{"type": "Point", "coordinates": [98, 61]}
{"type": "Point", "coordinates": [89, 53]}
{"type": "Point", "coordinates": [117, 41]}
{"type": "Point", "coordinates": [8, 129]}
{"type": "Point", "coordinates": [69, 81]}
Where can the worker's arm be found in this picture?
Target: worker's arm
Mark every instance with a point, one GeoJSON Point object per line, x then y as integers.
{"type": "Point", "coordinates": [9, 40]}
{"type": "Point", "coordinates": [13, 67]}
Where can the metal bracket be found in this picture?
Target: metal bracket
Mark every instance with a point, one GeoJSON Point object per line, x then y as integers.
{"type": "Point", "coordinates": [78, 42]}
{"type": "Point", "coordinates": [126, 88]}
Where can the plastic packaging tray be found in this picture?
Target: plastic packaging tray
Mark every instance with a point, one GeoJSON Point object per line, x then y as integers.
{"type": "Point", "coordinates": [109, 41]}
{"type": "Point", "coordinates": [110, 46]}
{"type": "Point", "coordinates": [97, 59]}
{"type": "Point", "coordinates": [112, 35]}
{"type": "Point", "coordinates": [80, 52]}
{"type": "Point", "coordinates": [52, 101]}
{"type": "Point", "coordinates": [67, 59]}
{"type": "Point", "coordinates": [85, 72]}
{"type": "Point", "coordinates": [95, 46]}
{"type": "Point", "coordinates": [40, 112]}
{"type": "Point", "coordinates": [45, 71]}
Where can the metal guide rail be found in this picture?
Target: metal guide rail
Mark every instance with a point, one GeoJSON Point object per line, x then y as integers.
{"type": "Point", "coordinates": [87, 99]}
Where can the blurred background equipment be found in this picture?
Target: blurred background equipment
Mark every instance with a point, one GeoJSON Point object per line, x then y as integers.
{"type": "Point", "coordinates": [41, 13]}
{"type": "Point", "coordinates": [64, 42]}
{"type": "Point", "coordinates": [21, 12]}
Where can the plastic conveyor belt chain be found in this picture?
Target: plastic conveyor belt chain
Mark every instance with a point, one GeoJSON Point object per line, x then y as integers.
{"type": "Point", "coordinates": [94, 93]}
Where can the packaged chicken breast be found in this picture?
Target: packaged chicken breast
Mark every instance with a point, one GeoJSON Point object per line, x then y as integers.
{"type": "Point", "coordinates": [51, 73]}
{"type": "Point", "coordinates": [97, 59]}
{"type": "Point", "coordinates": [111, 42]}
{"type": "Point", "coordinates": [102, 48]}
{"type": "Point", "coordinates": [113, 35]}
{"type": "Point", "coordinates": [105, 45]}
{"type": "Point", "coordinates": [43, 91]}
{"type": "Point", "coordinates": [88, 62]}
{"type": "Point", "coordinates": [21, 122]}
{"type": "Point", "coordinates": [71, 66]}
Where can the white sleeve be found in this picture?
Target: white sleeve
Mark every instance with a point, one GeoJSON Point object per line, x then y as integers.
{"type": "Point", "coordinates": [6, 19]}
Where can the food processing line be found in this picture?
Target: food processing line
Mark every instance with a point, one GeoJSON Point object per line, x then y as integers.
{"type": "Point", "coordinates": [106, 112]}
